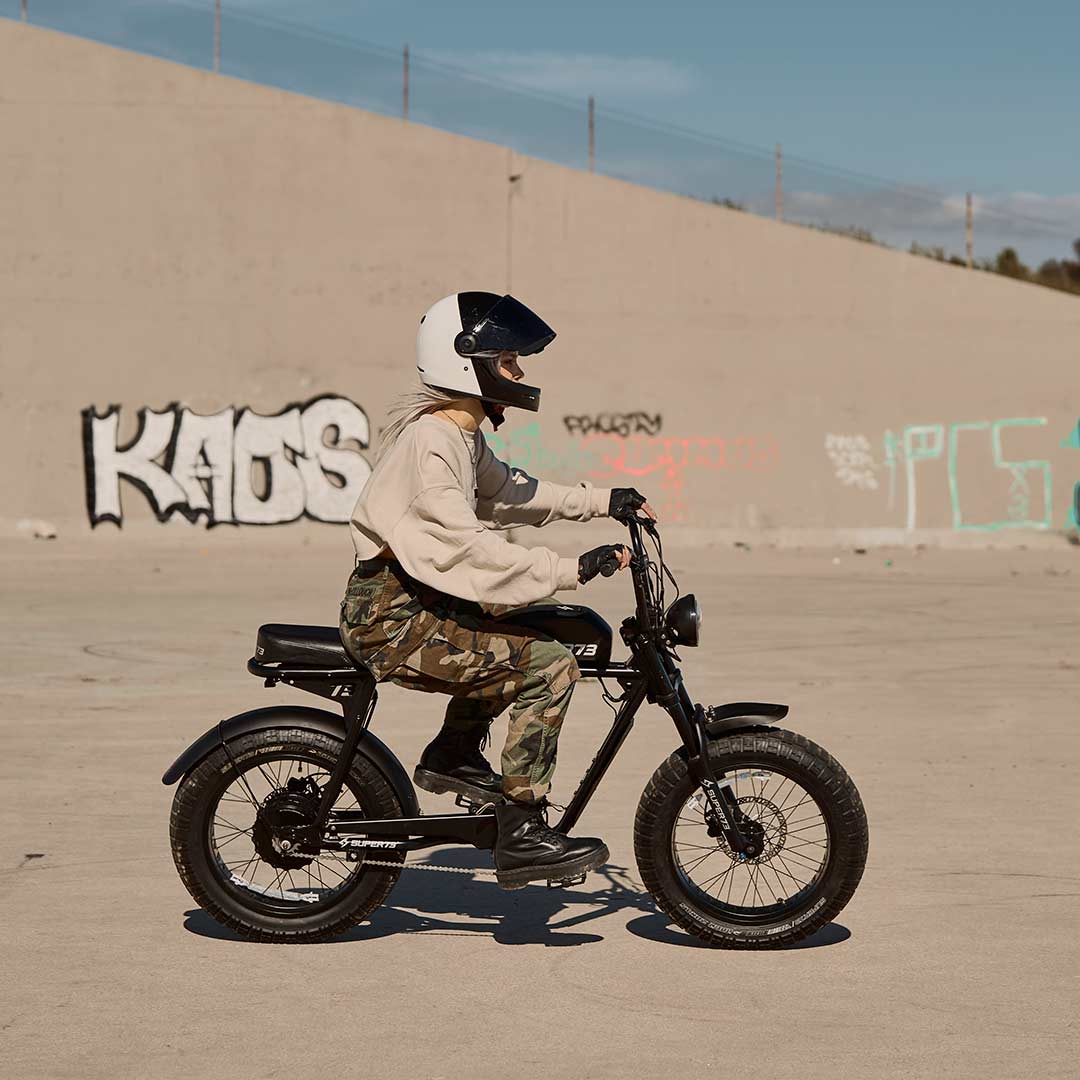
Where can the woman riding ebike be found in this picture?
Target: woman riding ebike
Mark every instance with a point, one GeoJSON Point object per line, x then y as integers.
{"type": "Point", "coordinates": [291, 824]}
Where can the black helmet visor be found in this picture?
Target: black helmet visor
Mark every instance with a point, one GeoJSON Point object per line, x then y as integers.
{"type": "Point", "coordinates": [508, 326]}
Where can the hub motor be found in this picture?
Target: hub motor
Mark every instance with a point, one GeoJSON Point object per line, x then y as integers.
{"type": "Point", "coordinates": [286, 821]}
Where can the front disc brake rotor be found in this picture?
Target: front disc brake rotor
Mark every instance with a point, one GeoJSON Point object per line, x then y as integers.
{"type": "Point", "coordinates": [763, 823]}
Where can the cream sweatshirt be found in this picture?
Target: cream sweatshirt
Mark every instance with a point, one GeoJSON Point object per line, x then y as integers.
{"type": "Point", "coordinates": [436, 498]}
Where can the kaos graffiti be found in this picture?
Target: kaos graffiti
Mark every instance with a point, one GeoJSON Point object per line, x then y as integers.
{"type": "Point", "coordinates": [232, 467]}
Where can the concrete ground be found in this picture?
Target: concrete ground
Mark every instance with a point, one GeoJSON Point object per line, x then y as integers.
{"type": "Point", "coordinates": [946, 682]}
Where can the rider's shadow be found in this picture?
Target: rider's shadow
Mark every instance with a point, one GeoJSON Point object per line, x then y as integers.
{"type": "Point", "coordinates": [535, 915]}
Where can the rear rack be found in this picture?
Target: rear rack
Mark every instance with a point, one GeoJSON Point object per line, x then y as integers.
{"type": "Point", "coordinates": [275, 673]}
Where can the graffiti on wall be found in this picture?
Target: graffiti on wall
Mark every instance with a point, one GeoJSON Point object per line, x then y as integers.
{"type": "Point", "coordinates": [233, 467]}
{"type": "Point", "coordinates": [633, 423]}
{"type": "Point", "coordinates": [853, 461]}
{"type": "Point", "coordinates": [1073, 443]}
{"type": "Point", "coordinates": [615, 460]}
{"type": "Point", "coordinates": [1027, 501]}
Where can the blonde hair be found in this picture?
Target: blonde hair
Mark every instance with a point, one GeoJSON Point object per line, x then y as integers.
{"type": "Point", "coordinates": [407, 409]}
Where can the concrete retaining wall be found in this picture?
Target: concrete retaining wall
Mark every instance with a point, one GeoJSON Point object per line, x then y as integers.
{"type": "Point", "coordinates": [172, 236]}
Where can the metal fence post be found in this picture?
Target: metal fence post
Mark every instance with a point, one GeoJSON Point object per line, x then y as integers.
{"type": "Point", "coordinates": [779, 183]}
{"type": "Point", "coordinates": [405, 84]}
{"type": "Point", "coordinates": [25, 13]}
{"type": "Point", "coordinates": [217, 35]}
{"type": "Point", "coordinates": [592, 134]}
{"type": "Point", "coordinates": [969, 231]}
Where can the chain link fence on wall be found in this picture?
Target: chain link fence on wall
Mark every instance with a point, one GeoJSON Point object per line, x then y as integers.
{"type": "Point", "coordinates": [207, 34]}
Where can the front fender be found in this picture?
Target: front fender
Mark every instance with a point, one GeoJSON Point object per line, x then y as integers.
{"type": "Point", "coordinates": [736, 715]}
{"type": "Point", "coordinates": [298, 716]}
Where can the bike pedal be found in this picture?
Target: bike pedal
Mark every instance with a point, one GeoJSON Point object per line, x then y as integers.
{"type": "Point", "coordinates": [471, 805]}
{"type": "Point", "coordinates": [563, 883]}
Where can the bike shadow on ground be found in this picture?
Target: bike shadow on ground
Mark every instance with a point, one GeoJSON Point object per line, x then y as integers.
{"type": "Point", "coordinates": [430, 902]}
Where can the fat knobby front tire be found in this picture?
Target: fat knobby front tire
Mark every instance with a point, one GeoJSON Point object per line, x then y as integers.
{"type": "Point", "coordinates": [201, 802]}
{"type": "Point", "coordinates": [797, 763]}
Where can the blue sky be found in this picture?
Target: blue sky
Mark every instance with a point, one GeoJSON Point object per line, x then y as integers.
{"type": "Point", "coordinates": [953, 96]}
{"type": "Point", "coordinates": [956, 92]}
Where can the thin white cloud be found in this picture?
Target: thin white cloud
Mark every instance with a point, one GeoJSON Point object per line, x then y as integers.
{"type": "Point", "coordinates": [616, 80]}
{"type": "Point", "coordinates": [1053, 209]}
{"type": "Point", "coordinates": [1025, 213]}
{"type": "Point", "coordinates": [1040, 226]}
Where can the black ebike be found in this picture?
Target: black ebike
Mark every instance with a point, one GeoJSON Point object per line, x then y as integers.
{"type": "Point", "coordinates": [292, 824]}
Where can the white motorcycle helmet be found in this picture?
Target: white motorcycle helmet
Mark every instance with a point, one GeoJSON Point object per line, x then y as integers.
{"type": "Point", "coordinates": [458, 346]}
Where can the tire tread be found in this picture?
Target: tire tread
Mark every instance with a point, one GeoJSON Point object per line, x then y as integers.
{"type": "Point", "coordinates": [184, 825]}
{"type": "Point", "coordinates": [784, 746]}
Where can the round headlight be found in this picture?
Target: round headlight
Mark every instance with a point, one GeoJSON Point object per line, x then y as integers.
{"type": "Point", "coordinates": [683, 619]}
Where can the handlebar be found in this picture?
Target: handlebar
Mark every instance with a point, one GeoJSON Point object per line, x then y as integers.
{"type": "Point", "coordinates": [635, 524]}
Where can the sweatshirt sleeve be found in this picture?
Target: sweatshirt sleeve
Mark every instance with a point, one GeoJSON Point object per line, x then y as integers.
{"type": "Point", "coordinates": [440, 541]}
{"type": "Point", "coordinates": [507, 496]}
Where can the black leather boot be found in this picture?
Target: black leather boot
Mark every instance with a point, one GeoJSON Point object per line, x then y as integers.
{"type": "Point", "coordinates": [527, 849]}
{"type": "Point", "coordinates": [452, 762]}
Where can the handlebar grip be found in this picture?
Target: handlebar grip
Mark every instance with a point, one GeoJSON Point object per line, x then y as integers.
{"type": "Point", "coordinates": [609, 566]}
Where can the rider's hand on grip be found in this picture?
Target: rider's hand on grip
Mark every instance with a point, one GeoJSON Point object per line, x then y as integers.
{"type": "Point", "coordinates": [602, 560]}
{"type": "Point", "coordinates": [625, 504]}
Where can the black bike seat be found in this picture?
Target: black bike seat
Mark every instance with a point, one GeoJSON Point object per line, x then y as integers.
{"type": "Point", "coordinates": [301, 646]}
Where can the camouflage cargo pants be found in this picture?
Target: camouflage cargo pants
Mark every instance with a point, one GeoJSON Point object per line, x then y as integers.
{"type": "Point", "coordinates": [416, 636]}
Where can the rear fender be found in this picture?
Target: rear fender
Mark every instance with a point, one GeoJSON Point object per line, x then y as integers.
{"type": "Point", "coordinates": [298, 716]}
{"type": "Point", "coordinates": [739, 715]}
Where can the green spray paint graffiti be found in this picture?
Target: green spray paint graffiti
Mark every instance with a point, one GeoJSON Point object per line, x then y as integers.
{"type": "Point", "coordinates": [524, 449]}
{"type": "Point", "coordinates": [920, 442]}
{"type": "Point", "coordinates": [610, 458]}
{"type": "Point", "coordinates": [1030, 480]}
{"type": "Point", "coordinates": [1073, 443]}
{"type": "Point", "coordinates": [1018, 508]}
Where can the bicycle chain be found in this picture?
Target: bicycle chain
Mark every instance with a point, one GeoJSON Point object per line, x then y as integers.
{"type": "Point", "coordinates": [426, 866]}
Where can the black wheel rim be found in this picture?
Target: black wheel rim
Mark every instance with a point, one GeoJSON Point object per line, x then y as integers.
{"type": "Point", "coordinates": [797, 847]}
{"type": "Point", "coordinates": [293, 891]}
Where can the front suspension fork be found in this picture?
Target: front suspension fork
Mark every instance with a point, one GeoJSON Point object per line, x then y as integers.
{"type": "Point", "coordinates": [723, 815]}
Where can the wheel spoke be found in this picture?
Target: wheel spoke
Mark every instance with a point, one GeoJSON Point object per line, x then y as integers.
{"type": "Point", "coordinates": [699, 860]}
{"type": "Point", "coordinates": [275, 885]}
{"type": "Point", "coordinates": [717, 877]}
{"type": "Point", "coordinates": [219, 844]}
{"type": "Point", "coordinates": [781, 816]}
{"type": "Point", "coordinates": [268, 777]}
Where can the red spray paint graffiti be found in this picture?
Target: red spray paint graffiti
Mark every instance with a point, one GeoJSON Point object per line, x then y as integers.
{"type": "Point", "coordinates": [659, 464]}
{"type": "Point", "coordinates": [636, 457]}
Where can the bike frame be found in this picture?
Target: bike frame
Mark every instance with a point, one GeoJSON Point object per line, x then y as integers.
{"type": "Point", "coordinates": [650, 674]}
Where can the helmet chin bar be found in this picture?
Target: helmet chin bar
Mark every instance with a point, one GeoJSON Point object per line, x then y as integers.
{"type": "Point", "coordinates": [498, 389]}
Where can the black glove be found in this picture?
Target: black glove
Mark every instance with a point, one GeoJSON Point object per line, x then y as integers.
{"type": "Point", "coordinates": [602, 560]}
{"type": "Point", "coordinates": [625, 503]}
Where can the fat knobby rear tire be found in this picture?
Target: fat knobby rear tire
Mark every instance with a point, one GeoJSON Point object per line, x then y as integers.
{"type": "Point", "coordinates": [193, 809]}
{"type": "Point", "coordinates": [794, 756]}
